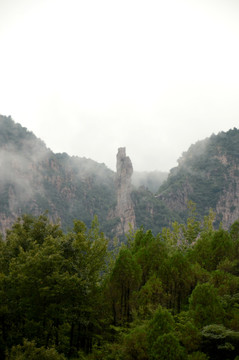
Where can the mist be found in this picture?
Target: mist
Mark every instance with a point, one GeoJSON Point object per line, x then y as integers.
{"type": "Point", "coordinates": [90, 77]}
{"type": "Point", "coordinates": [150, 180]}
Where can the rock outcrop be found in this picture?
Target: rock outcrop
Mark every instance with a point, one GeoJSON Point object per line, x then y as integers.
{"type": "Point", "coordinates": [228, 204]}
{"type": "Point", "coordinates": [208, 175]}
{"type": "Point", "coordinates": [124, 209]}
{"type": "Point", "coordinates": [33, 179]}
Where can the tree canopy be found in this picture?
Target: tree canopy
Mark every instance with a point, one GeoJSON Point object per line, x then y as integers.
{"type": "Point", "coordinates": [170, 296]}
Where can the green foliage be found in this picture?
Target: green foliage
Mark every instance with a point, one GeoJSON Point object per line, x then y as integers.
{"type": "Point", "coordinates": [188, 334]}
{"type": "Point", "coordinates": [167, 347]}
{"type": "Point", "coordinates": [125, 278]}
{"type": "Point", "coordinates": [150, 252]}
{"type": "Point", "coordinates": [197, 355]}
{"type": "Point", "coordinates": [151, 212]}
{"type": "Point", "coordinates": [170, 296]}
{"type": "Point", "coordinates": [34, 179]}
{"type": "Point", "coordinates": [162, 342]}
{"type": "Point", "coordinates": [204, 172]}
{"type": "Point", "coordinates": [135, 345]}
{"type": "Point", "coordinates": [150, 296]}
{"type": "Point", "coordinates": [178, 279]}
{"type": "Point", "coordinates": [234, 230]}
{"type": "Point", "coordinates": [29, 351]}
{"type": "Point", "coordinates": [162, 323]}
{"type": "Point", "coordinates": [219, 341]}
{"type": "Point", "coordinates": [50, 284]}
{"type": "Point", "coordinates": [213, 248]}
{"type": "Point", "coordinates": [205, 305]}
{"type": "Point", "coordinates": [15, 136]}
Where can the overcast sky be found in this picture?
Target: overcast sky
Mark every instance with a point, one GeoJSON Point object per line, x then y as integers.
{"type": "Point", "coordinates": [89, 76]}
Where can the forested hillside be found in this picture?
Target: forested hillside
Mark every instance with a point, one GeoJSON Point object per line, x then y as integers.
{"type": "Point", "coordinates": [170, 296]}
{"type": "Point", "coordinates": [169, 290]}
{"type": "Point", "coordinates": [207, 174]}
{"type": "Point", "coordinates": [33, 179]}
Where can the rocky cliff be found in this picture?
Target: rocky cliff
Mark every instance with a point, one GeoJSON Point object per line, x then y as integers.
{"type": "Point", "coordinates": [207, 174]}
{"type": "Point", "coordinates": [124, 209]}
{"type": "Point", "coordinates": [33, 179]}
{"type": "Point", "coordinates": [228, 204]}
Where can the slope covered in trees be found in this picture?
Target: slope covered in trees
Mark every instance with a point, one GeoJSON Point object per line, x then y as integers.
{"type": "Point", "coordinates": [207, 174]}
{"type": "Point", "coordinates": [33, 179]}
{"type": "Point", "coordinates": [170, 296]}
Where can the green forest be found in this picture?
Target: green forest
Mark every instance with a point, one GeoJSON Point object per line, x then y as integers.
{"type": "Point", "coordinates": [68, 295]}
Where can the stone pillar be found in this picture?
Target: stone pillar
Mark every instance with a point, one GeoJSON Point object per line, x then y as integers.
{"type": "Point", "coordinates": [124, 209]}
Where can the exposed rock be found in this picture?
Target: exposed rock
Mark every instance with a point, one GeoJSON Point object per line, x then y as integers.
{"type": "Point", "coordinates": [177, 201]}
{"type": "Point", "coordinates": [208, 175]}
{"type": "Point", "coordinates": [228, 204]}
{"type": "Point", "coordinates": [33, 179]}
{"type": "Point", "coordinates": [124, 209]}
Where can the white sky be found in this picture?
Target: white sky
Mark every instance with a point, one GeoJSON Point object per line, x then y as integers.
{"type": "Point", "coordinates": [89, 76]}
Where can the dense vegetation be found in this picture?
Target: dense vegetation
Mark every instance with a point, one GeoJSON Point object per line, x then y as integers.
{"type": "Point", "coordinates": [33, 179]}
{"type": "Point", "coordinates": [170, 296]}
{"type": "Point", "coordinates": [151, 212]}
{"type": "Point", "coordinates": [205, 171]}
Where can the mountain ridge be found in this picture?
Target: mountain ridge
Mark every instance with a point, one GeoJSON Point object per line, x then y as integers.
{"type": "Point", "coordinates": [33, 179]}
{"type": "Point", "coordinates": [207, 173]}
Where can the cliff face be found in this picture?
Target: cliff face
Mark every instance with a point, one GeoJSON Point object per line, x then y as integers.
{"type": "Point", "coordinates": [124, 209]}
{"type": "Point", "coordinates": [177, 200]}
{"type": "Point", "coordinates": [33, 179]}
{"type": "Point", "coordinates": [208, 175]}
{"type": "Point", "coordinates": [228, 203]}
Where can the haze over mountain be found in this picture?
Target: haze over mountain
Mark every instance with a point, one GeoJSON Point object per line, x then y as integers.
{"type": "Point", "coordinates": [152, 76]}
{"type": "Point", "coordinates": [33, 179]}
{"type": "Point", "coordinates": [207, 174]}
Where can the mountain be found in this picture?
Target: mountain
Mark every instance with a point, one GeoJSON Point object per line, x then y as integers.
{"type": "Point", "coordinates": [208, 175]}
{"type": "Point", "coordinates": [33, 179]}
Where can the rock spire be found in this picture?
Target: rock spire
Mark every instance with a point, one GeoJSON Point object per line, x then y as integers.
{"type": "Point", "coordinates": [124, 208]}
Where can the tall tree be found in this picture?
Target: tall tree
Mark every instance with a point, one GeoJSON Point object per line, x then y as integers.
{"type": "Point", "coordinates": [125, 278]}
